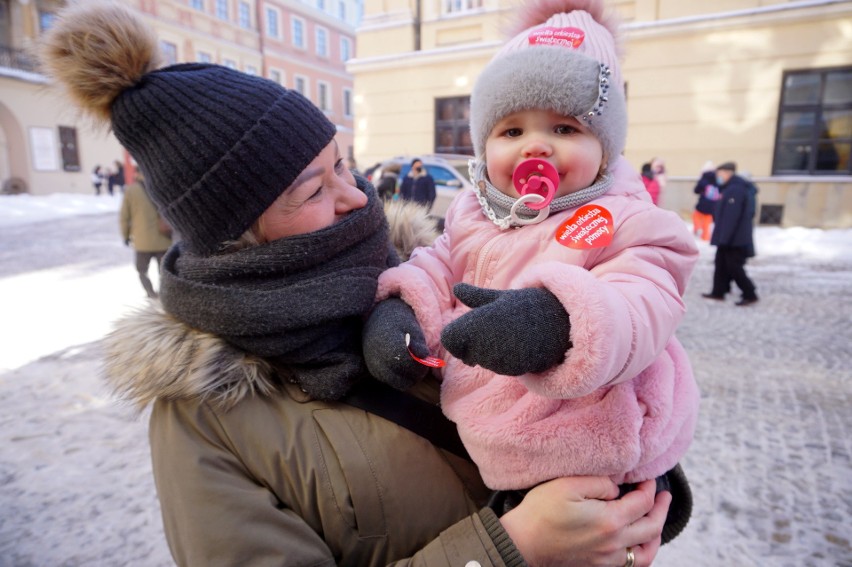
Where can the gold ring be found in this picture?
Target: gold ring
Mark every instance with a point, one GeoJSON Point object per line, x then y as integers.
{"type": "Point", "coordinates": [631, 559]}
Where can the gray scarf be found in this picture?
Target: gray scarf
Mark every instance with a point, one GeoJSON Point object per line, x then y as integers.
{"type": "Point", "coordinates": [299, 301]}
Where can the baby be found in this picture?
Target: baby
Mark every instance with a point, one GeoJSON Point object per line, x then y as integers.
{"type": "Point", "coordinates": [556, 289]}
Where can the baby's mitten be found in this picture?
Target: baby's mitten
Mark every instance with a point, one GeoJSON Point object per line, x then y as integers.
{"type": "Point", "coordinates": [509, 332]}
{"type": "Point", "coordinates": [385, 351]}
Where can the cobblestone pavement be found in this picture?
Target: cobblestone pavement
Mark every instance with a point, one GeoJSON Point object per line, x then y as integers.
{"type": "Point", "coordinates": [770, 466]}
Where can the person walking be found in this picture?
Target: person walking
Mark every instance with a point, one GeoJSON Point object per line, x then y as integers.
{"type": "Point", "coordinates": [97, 179]}
{"type": "Point", "coordinates": [418, 185]}
{"type": "Point", "coordinates": [733, 235]}
{"type": "Point", "coordinates": [267, 443]}
{"type": "Point", "coordinates": [116, 178]}
{"type": "Point", "coordinates": [144, 230]}
{"type": "Point", "coordinates": [708, 194]}
{"type": "Point", "coordinates": [652, 186]}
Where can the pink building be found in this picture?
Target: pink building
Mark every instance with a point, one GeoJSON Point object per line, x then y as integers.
{"type": "Point", "coordinates": [306, 49]}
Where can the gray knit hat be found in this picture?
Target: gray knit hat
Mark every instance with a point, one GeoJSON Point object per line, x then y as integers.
{"type": "Point", "coordinates": [566, 61]}
{"type": "Point", "coordinates": [217, 146]}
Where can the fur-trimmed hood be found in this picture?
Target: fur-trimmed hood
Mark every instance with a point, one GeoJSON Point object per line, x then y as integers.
{"type": "Point", "coordinates": [149, 354]}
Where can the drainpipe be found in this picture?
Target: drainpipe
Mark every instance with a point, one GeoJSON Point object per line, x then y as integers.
{"type": "Point", "coordinates": [417, 10]}
{"type": "Point", "coordinates": [261, 32]}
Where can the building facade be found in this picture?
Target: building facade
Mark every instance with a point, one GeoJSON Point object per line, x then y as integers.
{"type": "Point", "coordinates": [765, 83]}
{"type": "Point", "coordinates": [46, 147]}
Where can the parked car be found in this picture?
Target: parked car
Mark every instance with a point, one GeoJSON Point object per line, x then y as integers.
{"type": "Point", "coordinates": [450, 172]}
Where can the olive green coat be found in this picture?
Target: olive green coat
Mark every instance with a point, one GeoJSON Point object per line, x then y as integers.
{"type": "Point", "coordinates": [139, 221]}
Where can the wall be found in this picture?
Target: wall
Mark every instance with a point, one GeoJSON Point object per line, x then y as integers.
{"type": "Point", "coordinates": [24, 105]}
{"type": "Point", "coordinates": [703, 83]}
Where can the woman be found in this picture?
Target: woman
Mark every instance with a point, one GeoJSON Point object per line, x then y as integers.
{"type": "Point", "coordinates": [250, 362]}
{"type": "Point", "coordinates": [418, 185]}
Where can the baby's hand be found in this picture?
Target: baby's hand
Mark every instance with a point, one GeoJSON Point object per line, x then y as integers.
{"type": "Point", "coordinates": [509, 332]}
{"type": "Point", "coordinates": [385, 349]}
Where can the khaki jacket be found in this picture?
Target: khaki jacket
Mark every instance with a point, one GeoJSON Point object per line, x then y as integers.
{"type": "Point", "coordinates": [140, 221]}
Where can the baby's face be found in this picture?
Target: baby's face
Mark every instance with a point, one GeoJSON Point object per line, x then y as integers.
{"type": "Point", "coordinates": [562, 140]}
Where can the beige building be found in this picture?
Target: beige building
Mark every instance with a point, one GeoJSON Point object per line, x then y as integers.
{"type": "Point", "coordinates": [765, 83]}
{"type": "Point", "coordinates": [45, 147]}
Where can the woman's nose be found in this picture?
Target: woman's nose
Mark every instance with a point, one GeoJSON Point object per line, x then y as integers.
{"type": "Point", "coordinates": [350, 199]}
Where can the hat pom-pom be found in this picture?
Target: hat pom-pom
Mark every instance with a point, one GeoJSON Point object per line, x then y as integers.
{"type": "Point", "coordinates": [96, 52]}
{"type": "Point", "coordinates": [536, 12]}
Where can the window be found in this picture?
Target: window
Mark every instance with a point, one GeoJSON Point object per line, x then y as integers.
{"type": "Point", "coordinates": [814, 133]}
{"type": "Point", "coordinates": [455, 6]}
{"type": "Point", "coordinates": [70, 155]}
{"type": "Point", "coordinates": [222, 9]}
{"type": "Point", "coordinates": [452, 131]}
{"type": "Point", "coordinates": [345, 49]}
{"type": "Point", "coordinates": [230, 64]}
{"type": "Point", "coordinates": [341, 10]}
{"type": "Point", "coordinates": [197, 4]}
{"type": "Point", "coordinates": [298, 25]}
{"type": "Point", "coordinates": [272, 23]}
{"type": "Point", "coordinates": [347, 103]}
{"type": "Point", "coordinates": [322, 42]}
{"type": "Point", "coordinates": [300, 83]}
{"type": "Point", "coordinates": [323, 98]}
{"type": "Point", "coordinates": [275, 75]}
{"type": "Point", "coordinates": [245, 15]}
{"type": "Point", "coordinates": [204, 57]}
{"type": "Point", "coordinates": [321, 5]}
{"type": "Point", "coordinates": [169, 51]}
{"type": "Point", "coordinates": [251, 70]}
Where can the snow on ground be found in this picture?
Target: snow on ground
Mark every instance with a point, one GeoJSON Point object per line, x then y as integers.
{"type": "Point", "coordinates": [770, 466]}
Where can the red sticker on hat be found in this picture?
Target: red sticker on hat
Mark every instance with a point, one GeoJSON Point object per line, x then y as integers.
{"type": "Point", "coordinates": [562, 37]}
{"type": "Point", "coordinates": [590, 227]}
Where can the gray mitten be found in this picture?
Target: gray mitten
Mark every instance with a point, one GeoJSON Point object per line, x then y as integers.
{"type": "Point", "coordinates": [385, 352]}
{"type": "Point", "coordinates": [509, 332]}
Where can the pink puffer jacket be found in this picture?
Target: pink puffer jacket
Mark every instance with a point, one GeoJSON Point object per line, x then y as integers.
{"type": "Point", "coordinates": [624, 402]}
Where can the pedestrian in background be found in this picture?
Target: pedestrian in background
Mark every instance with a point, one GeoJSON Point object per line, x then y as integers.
{"type": "Point", "coordinates": [97, 179]}
{"type": "Point", "coordinates": [116, 177]}
{"type": "Point", "coordinates": [658, 166]}
{"type": "Point", "coordinates": [252, 357]}
{"type": "Point", "coordinates": [708, 195]}
{"type": "Point", "coordinates": [652, 186]}
{"type": "Point", "coordinates": [733, 235]}
{"type": "Point", "coordinates": [144, 230]}
{"type": "Point", "coordinates": [418, 185]}
{"type": "Point", "coordinates": [387, 185]}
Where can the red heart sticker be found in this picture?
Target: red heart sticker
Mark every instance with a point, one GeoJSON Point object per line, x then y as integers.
{"type": "Point", "coordinates": [562, 37]}
{"type": "Point", "coordinates": [590, 227]}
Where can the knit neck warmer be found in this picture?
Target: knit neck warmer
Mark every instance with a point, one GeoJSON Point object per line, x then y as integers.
{"type": "Point", "coordinates": [298, 301]}
{"type": "Point", "coordinates": [496, 205]}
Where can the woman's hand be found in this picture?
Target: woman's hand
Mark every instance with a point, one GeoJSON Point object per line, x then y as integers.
{"type": "Point", "coordinates": [576, 521]}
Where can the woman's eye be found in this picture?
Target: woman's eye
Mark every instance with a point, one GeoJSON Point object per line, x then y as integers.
{"type": "Point", "coordinates": [339, 166]}
{"type": "Point", "coordinates": [564, 129]}
{"type": "Point", "coordinates": [316, 194]}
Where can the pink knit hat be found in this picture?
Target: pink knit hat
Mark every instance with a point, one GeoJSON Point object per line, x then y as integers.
{"type": "Point", "coordinates": [566, 59]}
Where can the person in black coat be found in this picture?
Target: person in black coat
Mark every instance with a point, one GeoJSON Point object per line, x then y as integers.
{"type": "Point", "coordinates": [418, 185]}
{"type": "Point", "coordinates": [116, 178]}
{"type": "Point", "coordinates": [733, 234]}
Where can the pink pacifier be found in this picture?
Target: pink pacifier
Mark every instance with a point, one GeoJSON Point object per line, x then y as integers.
{"type": "Point", "coordinates": [536, 177]}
